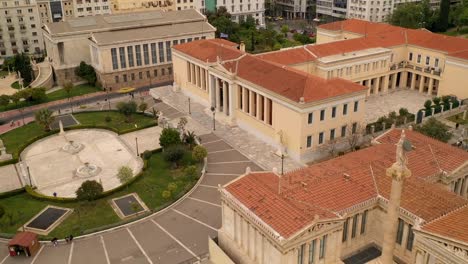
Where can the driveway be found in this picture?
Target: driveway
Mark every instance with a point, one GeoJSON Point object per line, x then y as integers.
{"type": "Point", "coordinates": [176, 235]}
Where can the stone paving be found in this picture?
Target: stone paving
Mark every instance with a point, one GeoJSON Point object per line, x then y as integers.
{"type": "Point", "coordinates": [251, 146]}
{"type": "Point", "coordinates": [9, 179]}
{"type": "Point", "coordinates": [380, 105]}
{"type": "Point", "coordinates": [5, 85]}
{"type": "Point", "coordinates": [177, 235]}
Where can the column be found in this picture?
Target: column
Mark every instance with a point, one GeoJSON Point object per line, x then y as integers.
{"type": "Point", "coordinates": [251, 103]}
{"type": "Point", "coordinates": [244, 98]}
{"type": "Point", "coordinates": [231, 89]}
{"type": "Point", "coordinates": [413, 81]}
{"type": "Point", "coordinates": [377, 85]}
{"type": "Point", "coordinates": [194, 76]}
{"type": "Point", "coordinates": [394, 79]}
{"type": "Point", "coordinates": [217, 93]}
{"type": "Point", "coordinates": [259, 108]}
{"type": "Point", "coordinates": [203, 81]}
{"type": "Point", "coordinates": [266, 110]}
{"type": "Point", "coordinates": [421, 83]}
{"type": "Point", "coordinates": [225, 98]}
{"type": "Point", "coordinates": [368, 87]}
{"type": "Point", "coordinates": [385, 84]}
{"type": "Point", "coordinates": [306, 253]}
{"type": "Point", "coordinates": [431, 84]}
{"type": "Point", "coordinates": [189, 72]}
{"type": "Point", "coordinates": [317, 250]}
{"type": "Point", "coordinates": [207, 79]}
{"type": "Point", "coordinates": [404, 79]}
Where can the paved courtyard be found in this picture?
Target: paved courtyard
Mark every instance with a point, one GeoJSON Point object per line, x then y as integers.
{"type": "Point", "coordinates": [380, 105]}
{"type": "Point", "coordinates": [9, 179]}
{"type": "Point", "coordinates": [5, 85]}
{"type": "Point", "coordinates": [178, 234]}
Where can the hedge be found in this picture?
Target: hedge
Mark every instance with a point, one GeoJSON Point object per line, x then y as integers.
{"type": "Point", "coordinates": [12, 193]}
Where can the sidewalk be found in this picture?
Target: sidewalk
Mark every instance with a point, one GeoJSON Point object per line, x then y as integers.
{"type": "Point", "coordinates": [18, 123]}
{"type": "Point", "coordinates": [248, 144]}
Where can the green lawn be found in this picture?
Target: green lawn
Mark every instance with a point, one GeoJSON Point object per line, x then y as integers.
{"type": "Point", "coordinates": [15, 85]}
{"type": "Point", "coordinates": [53, 96]}
{"type": "Point", "coordinates": [15, 139]}
{"type": "Point", "coordinates": [3, 73]}
{"type": "Point", "coordinates": [89, 216]}
{"type": "Point", "coordinates": [458, 119]}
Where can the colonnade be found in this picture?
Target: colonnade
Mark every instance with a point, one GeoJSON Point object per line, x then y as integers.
{"type": "Point", "coordinates": [254, 104]}
{"type": "Point", "coordinates": [460, 186]}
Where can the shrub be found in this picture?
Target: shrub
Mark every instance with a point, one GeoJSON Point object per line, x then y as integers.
{"type": "Point", "coordinates": [146, 154]}
{"type": "Point", "coordinates": [174, 154]}
{"type": "Point", "coordinates": [44, 118]}
{"type": "Point", "coordinates": [86, 72]}
{"type": "Point", "coordinates": [190, 138]}
{"type": "Point", "coordinates": [428, 105]}
{"type": "Point", "coordinates": [172, 186]}
{"type": "Point", "coordinates": [125, 174]}
{"type": "Point", "coordinates": [127, 109]}
{"type": "Point", "coordinates": [199, 153]}
{"type": "Point", "coordinates": [403, 111]}
{"type": "Point", "coordinates": [2, 211]}
{"type": "Point", "coordinates": [169, 137]}
{"type": "Point", "coordinates": [142, 107]}
{"type": "Point", "coordinates": [436, 100]}
{"type": "Point", "coordinates": [435, 129]}
{"type": "Point", "coordinates": [166, 194]}
{"type": "Point", "coordinates": [89, 190]}
{"type": "Point", "coordinates": [191, 171]}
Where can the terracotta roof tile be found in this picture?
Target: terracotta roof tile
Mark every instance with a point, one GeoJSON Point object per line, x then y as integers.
{"type": "Point", "coordinates": [208, 50]}
{"type": "Point", "coordinates": [445, 225]}
{"type": "Point", "coordinates": [333, 186]}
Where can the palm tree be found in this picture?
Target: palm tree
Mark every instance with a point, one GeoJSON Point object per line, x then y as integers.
{"type": "Point", "coordinates": [44, 117]}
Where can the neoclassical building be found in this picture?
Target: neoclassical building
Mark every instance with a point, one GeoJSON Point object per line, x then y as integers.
{"type": "Point", "coordinates": [383, 58]}
{"type": "Point", "coordinates": [388, 203]}
{"type": "Point", "coordinates": [296, 111]}
{"type": "Point", "coordinates": [124, 49]}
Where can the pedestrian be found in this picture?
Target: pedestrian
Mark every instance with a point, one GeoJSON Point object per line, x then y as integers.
{"type": "Point", "coordinates": [457, 125]}
{"type": "Point", "coordinates": [67, 239]}
{"type": "Point", "coordinates": [54, 241]}
{"type": "Point", "coordinates": [55, 194]}
{"type": "Point", "coordinates": [70, 238]}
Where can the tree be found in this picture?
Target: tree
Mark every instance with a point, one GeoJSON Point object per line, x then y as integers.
{"type": "Point", "coordinates": [182, 123]}
{"type": "Point", "coordinates": [285, 30]}
{"type": "Point", "coordinates": [169, 137]}
{"type": "Point", "coordinates": [86, 72]}
{"type": "Point", "coordinates": [127, 109]}
{"type": "Point", "coordinates": [408, 15]}
{"type": "Point", "coordinates": [444, 15]}
{"type": "Point", "coordinates": [355, 132]}
{"type": "Point", "coordinates": [16, 98]}
{"type": "Point", "coordinates": [142, 107]}
{"type": "Point", "coordinates": [125, 174]}
{"type": "Point", "coordinates": [190, 138]}
{"type": "Point", "coordinates": [45, 118]}
{"type": "Point", "coordinates": [68, 87]}
{"type": "Point", "coordinates": [37, 94]}
{"type": "Point", "coordinates": [22, 64]}
{"type": "Point", "coordinates": [89, 190]}
{"type": "Point", "coordinates": [174, 154]}
{"type": "Point", "coordinates": [4, 100]}
{"type": "Point", "coordinates": [199, 153]}
{"type": "Point", "coordinates": [435, 129]}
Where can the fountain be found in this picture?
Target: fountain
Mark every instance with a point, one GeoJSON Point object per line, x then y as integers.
{"type": "Point", "coordinates": [87, 170]}
{"type": "Point", "coordinates": [73, 147]}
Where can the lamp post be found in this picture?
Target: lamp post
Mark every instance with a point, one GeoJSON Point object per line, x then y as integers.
{"type": "Point", "coordinates": [214, 113]}
{"type": "Point", "coordinates": [282, 164]}
{"type": "Point", "coordinates": [136, 144]}
{"type": "Point", "coordinates": [189, 112]}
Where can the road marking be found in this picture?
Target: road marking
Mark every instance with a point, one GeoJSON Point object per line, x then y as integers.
{"type": "Point", "coordinates": [71, 252]}
{"type": "Point", "coordinates": [218, 151]}
{"type": "Point", "coordinates": [37, 255]}
{"type": "Point", "coordinates": [175, 239]}
{"type": "Point", "coordinates": [105, 250]}
{"type": "Point", "coordinates": [203, 201]}
{"type": "Point", "coordinates": [139, 246]}
{"type": "Point", "coordinates": [229, 162]}
{"type": "Point", "coordinates": [5, 258]}
{"type": "Point", "coordinates": [194, 219]}
{"type": "Point", "coordinates": [209, 142]}
{"type": "Point", "coordinates": [208, 186]}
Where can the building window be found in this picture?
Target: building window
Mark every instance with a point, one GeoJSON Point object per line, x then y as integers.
{"type": "Point", "coordinates": [116, 78]}
{"type": "Point", "coordinates": [155, 73]}
{"type": "Point", "coordinates": [138, 54]}
{"type": "Point", "coordinates": [309, 141]}
{"type": "Point", "coordinates": [161, 51]}
{"type": "Point", "coordinates": [410, 239]}
{"type": "Point", "coordinates": [354, 128]}
{"type": "Point", "coordinates": [428, 60]}
{"type": "Point", "coordinates": [148, 75]}
{"type": "Point", "coordinates": [115, 64]}
{"type": "Point", "coordinates": [182, 41]}
{"type": "Point", "coordinates": [146, 54]}
{"type": "Point", "coordinates": [343, 131]}
{"type": "Point", "coordinates": [401, 225]}
{"type": "Point", "coordinates": [168, 51]}
{"type": "Point", "coordinates": [312, 252]}
{"type": "Point", "coordinates": [169, 70]}
{"type": "Point", "coordinates": [332, 134]}
{"type": "Point", "coordinates": [321, 134]}
{"type": "Point", "coordinates": [353, 230]}
{"type": "Point", "coordinates": [140, 75]}
{"type": "Point", "coordinates": [130, 56]}
{"type": "Point", "coordinates": [323, 245]}
{"type": "Point", "coordinates": [310, 118]}
{"type": "Point", "coordinates": [300, 254]}
{"type": "Point", "coordinates": [410, 58]}
{"type": "Point", "coordinates": [345, 109]}
{"type": "Point", "coordinates": [123, 62]}
{"type": "Point", "coordinates": [322, 115]}
{"type": "Point", "coordinates": [163, 71]}
{"type": "Point", "coordinates": [124, 77]}
{"type": "Point", "coordinates": [345, 230]}
{"type": "Point", "coordinates": [333, 112]}
{"type": "Point", "coordinates": [363, 222]}
{"type": "Point", "coordinates": [419, 58]}
{"type": "Point", "coordinates": [133, 76]}
{"type": "Point", "coordinates": [153, 53]}
{"type": "Point", "coordinates": [356, 106]}
{"type": "Point", "coordinates": [436, 63]}
{"type": "Point", "coordinates": [189, 40]}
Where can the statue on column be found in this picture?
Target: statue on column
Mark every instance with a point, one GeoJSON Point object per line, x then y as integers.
{"type": "Point", "coordinates": [400, 169]}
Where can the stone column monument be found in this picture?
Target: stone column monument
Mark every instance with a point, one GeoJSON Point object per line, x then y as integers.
{"type": "Point", "coordinates": [399, 172]}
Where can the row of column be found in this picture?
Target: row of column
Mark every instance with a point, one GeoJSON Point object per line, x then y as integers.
{"type": "Point", "coordinates": [197, 76]}
{"type": "Point", "coordinates": [221, 95]}
{"type": "Point", "coordinates": [460, 186]}
{"type": "Point", "coordinates": [249, 238]}
{"type": "Point", "coordinates": [256, 105]}
{"type": "Point", "coordinates": [410, 80]}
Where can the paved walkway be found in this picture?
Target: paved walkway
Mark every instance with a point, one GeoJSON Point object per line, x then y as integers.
{"type": "Point", "coordinates": [251, 146]}
{"type": "Point", "coordinates": [5, 85]}
{"type": "Point", "coordinates": [176, 235]}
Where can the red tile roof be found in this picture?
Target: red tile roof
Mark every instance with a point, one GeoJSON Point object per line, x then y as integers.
{"type": "Point", "coordinates": [454, 225]}
{"type": "Point", "coordinates": [285, 81]}
{"type": "Point", "coordinates": [332, 186]}
{"type": "Point", "coordinates": [23, 239]}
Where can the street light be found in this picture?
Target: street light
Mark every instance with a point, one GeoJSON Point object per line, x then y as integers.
{"type": "Point", "coordinates": [136, 144]}
{"type": "Point", "coordinates": [214, 113]}
{"type": "Point", "coordinates": [282, 163]}
{"type": "Point", "coordinates": [189, 112]}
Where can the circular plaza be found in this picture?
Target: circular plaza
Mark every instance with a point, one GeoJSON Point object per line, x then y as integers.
{"type": "Point", "coordinates": [60, 163]}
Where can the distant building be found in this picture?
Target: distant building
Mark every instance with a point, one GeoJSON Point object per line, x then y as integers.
{"type": "Point", "coordinates": [91, 7]}
{"type": "Point", "coordinates": [55, 10]}
{"type": "Point", "coordinates": [20, 28]}
{"type": "Point", "coordinates": [125, 49]}
{"type": "Point", "coordinates": [126, 6]}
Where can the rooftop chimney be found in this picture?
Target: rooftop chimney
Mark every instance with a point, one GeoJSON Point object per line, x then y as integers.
{"type": "Point", "coordinates": [242, 46]}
